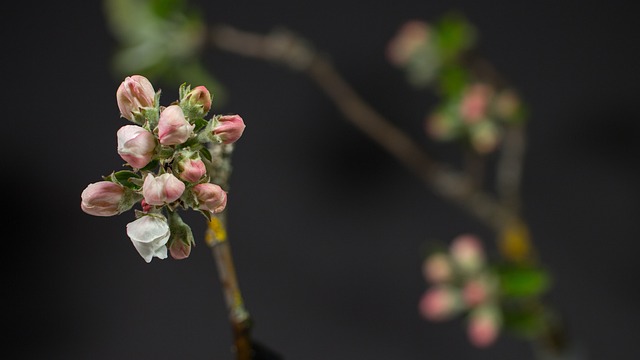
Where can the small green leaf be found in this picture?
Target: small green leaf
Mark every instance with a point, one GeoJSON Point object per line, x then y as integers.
{"type": "Point", "coordinates": [523, 281]}
{"type": "Point", "coordinates": [524, 321]}
{"type": "Point", "coordinates": [151, 165]}
{"type": "Point", "coordinates": [454, 34]}
{"type": "Point", "coordinates": [124, 178]}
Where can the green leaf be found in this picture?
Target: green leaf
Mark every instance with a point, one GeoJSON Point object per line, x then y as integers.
{"type": "Point", "coordinates": [124, 178]}
{"type": "Point", "coordinates": [453, 79]}
{"type": "Point", "coordinates": [454, 34]}
{"type": "Point", "coordinates": [151, 165]}
{"type": "Point", "coordinates": [523, 281]}
{"type": "Point", "coordinates": [524, 321]}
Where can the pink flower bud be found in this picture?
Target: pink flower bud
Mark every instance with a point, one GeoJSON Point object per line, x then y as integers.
{"type": "Point", "coordinates": [136, 145]}
{"type": "Point", "coordinates": [440, 303]}
{"type": "Point", "coordinates": [161, 190]}
{"type": "Point", "coordinates": [173, 128]}
{"type": "Point", "coordinates": [475, 102]}
{"type": "Point", "coordinates": [484, 326]}
{"type": "Point", "coordinates": [200, 96]}
{"type": "Point", "coordinates": [467, 253]}
{"type": "Point", "coordinates": [229, 128]}
{"type": "Point", "coordinates": [437, 268]}
{"type": "Point", "coordinates": [134, 92]}
{"type": "Point", "coordinates": [211, 197]}
{"type": "Point", "coordinates": [103, 198]}
{"type": "Point", "coordinates": [410, 36]}
{"type": "Point", "coordinates": [474, 292]}
{"type": "Point", "coordinates": [191, 170]}
{"type": "Point", "coordinates": [179, 250]}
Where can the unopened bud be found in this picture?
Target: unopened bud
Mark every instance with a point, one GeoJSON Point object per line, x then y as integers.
{"type": "Point", "coordinates": [467, 253]}
{"type": "Point", "coordinates": [134, 93]}
{"type": "Point", "coordinates": [211, 197]}
{"type": "Point", "coordinates": [484, 326]}
{"type": "Point", "coordinates": [229, 128]}
{"type": "Point", "coordinates": [136, 145]}
{"type": "Point", "coordinates": [173, 128]}
{"type": "Point", "coordinates": [440, 303]}
{"type": "Point", "coordinates": [103, 198]}
{"type": "Point", "coordinates": [162, 190]}
{"type": "Point", "coordinates": [199, 96]}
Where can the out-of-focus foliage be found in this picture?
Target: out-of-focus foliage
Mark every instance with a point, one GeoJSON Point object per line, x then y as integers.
{"type": "Point", "coordinates": [160, 39]}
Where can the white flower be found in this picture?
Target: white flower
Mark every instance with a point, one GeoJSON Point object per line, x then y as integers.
{"type": "Point", "coordinates": [149, 235]}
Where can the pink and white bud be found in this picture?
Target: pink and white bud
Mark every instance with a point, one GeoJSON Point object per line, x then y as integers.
{"type": "Point", "coordinates": [163, 189]}
{"type": "Point", "coordinates": [229, 128]}
{"type": "Point", "coordinates": [475, 291]}
{"type": "Point", "coordinates": [134, 93]}
{"type": "Point", "coordinates": [211, 197]}
{"type": "Point", "coordinates": [475, 102]}
{"type": "Point", "coordinates": [191, 170]}
{"type": "Point", "coordinates": [179, 250]}
{"type": "Point", "coordinates": [173, 128]}
{"type": "Point", "coordinates": [440, 303]}
{"type": "Point", "coordinates": [437, 268]}
{"type": "Point", "coordinates": [136, 145]}
{"type": "Point", "coordinates": [149, 235]}
{"type": "Point", "coordinates": [467, 253]}
{"type": "Point", "coordinates": [103, 198]}
{"type": "Point", "coordinates": [410, 36]}
{"type": "Point", "coordinates": [484, 326]}
{"type": "Point", "coordinates": [200, 95]}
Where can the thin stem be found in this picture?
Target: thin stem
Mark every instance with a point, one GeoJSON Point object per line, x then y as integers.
{"type": "Point", "coordinates": [285, 48]}
{"type": "Point", "coordinates": [216, 238]}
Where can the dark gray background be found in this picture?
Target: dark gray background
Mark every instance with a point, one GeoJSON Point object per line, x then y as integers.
{"type": "Point", "coordinates": [326, 228]}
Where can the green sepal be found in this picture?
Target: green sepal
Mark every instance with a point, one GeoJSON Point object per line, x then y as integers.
{"type": "Point", "coordinates": [206, 214]}
{"type": "Point", "coordinates": [188, 198]}
{"type": "Point", "coordinates": [200, 123]}
{"type": "Point", "coordinates": [152, 114]}
{"type": "Point", "coordinates": [180, 231]}
{"type": "Point", "coordinates": [206, 154]}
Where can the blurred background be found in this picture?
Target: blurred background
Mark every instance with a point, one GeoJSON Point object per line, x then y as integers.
{"type": "Point", "coordinates": [326, 228]}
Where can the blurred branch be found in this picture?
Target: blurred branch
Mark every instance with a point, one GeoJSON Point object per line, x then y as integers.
{"type": "Point", "coordinates": [286, 48]}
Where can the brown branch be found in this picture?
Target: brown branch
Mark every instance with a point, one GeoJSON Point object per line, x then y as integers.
{"type": "Point", "coordinates": [285, 48]}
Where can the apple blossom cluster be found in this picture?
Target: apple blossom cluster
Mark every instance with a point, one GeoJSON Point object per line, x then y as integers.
{"type": "Point", "coordinates": [462, 282]}
{"type": "Point", "coordinates": [168, 163]}
{"type": "Point", "coordinates": [474, 109]}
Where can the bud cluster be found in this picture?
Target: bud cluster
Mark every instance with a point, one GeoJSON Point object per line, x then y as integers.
{"type": "Point", "coordinates": [476, 106]}
{"type": "Point", "coordinates": [462, 282]}
{"type": "Point", "coordinates": [169, 166]}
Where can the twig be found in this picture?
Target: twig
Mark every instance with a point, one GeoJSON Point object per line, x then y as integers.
{"type": "Point", "coordinates": [285, 48]}
{"type": "Point", "coordinates": [216, 238]}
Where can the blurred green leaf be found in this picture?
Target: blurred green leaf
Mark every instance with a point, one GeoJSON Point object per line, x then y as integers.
{"type": "Point", "coordinates": [524, 320]}
{"type": "Point", "coordinates": [162, 40]}
{"type": "Point", "coordinates": [522, 281]}
{"type": "Point", "coordinates": [454, 34]}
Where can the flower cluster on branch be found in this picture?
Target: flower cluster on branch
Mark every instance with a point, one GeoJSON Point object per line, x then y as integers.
{"type": "Point", "coordinates": [169, 166]}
